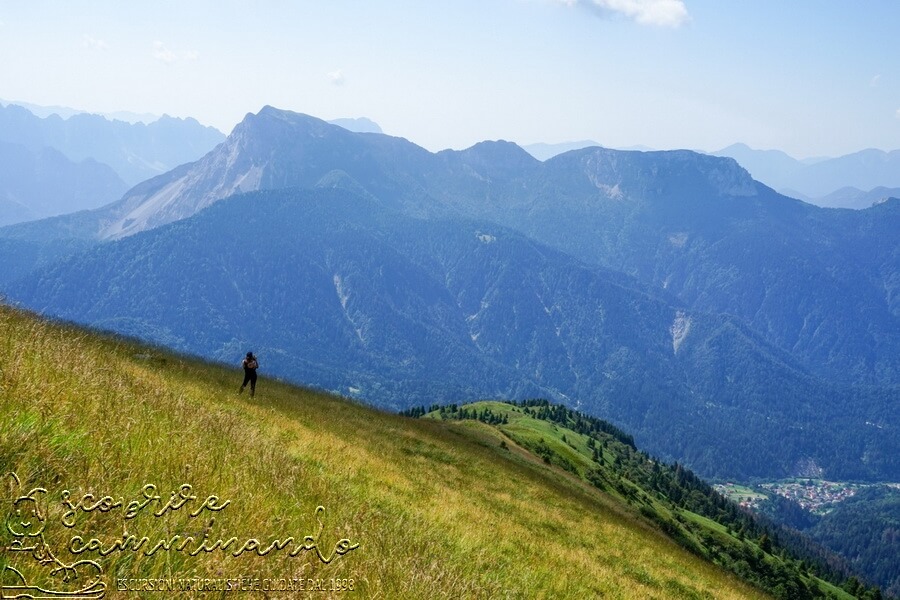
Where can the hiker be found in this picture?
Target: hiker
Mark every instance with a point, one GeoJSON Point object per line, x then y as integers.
{"type": "Point", "coordinates": [250, 365]}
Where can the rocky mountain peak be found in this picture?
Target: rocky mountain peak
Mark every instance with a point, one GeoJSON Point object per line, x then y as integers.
{"type": "Point", "coordinates": [498, 159]}
{"type": "Point", "coordinates": [662, 173]}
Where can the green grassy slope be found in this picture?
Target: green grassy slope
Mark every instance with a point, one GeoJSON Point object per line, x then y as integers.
{"type": "Point", "coordinates": [439, 509]}
{"type": "Point", "coordinates": [684, 507]}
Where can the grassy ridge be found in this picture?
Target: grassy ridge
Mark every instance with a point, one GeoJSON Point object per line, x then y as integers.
{"type": "Point", "coordinates": [439, 509]}
{"type": "Point", "coordinates": [668, 496]}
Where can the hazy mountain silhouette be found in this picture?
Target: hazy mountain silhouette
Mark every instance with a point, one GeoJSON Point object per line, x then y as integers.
{"type": "Point", "coordinates": [542, 151]}
{"type": "Point", "coordinates": [134, 151]}
{"type": "Point", "coordinates": [44, 183]}
{"type": "Point", "coordinates": [359, 125]}
{"type": "Point", "coordinates": [65, 112]}
{"type": "Point", "coordinates": [855, 198]}
{"type": "Point", "coordinates": [818, 181]}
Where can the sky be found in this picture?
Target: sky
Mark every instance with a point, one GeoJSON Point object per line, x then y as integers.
{"type": "Point", "coordinates": [809, 77]}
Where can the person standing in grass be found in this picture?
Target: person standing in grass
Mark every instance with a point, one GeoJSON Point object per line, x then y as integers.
{"type": "Point", "coordinates": [250, 365]}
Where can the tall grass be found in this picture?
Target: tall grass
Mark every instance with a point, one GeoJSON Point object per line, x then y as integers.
{"type": "Point", "coordinates": [439, 509]}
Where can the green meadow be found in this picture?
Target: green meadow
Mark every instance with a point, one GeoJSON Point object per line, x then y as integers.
{"type": "Point", "coordinates": [688, 509]}
{"type": "Point", "coordinates": [104, 435]}
{"type": "Point", "coordinates": [742, 493]}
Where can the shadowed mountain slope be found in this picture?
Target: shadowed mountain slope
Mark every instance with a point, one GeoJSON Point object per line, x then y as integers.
{"type": "Point", "coordinates": [340, 292]}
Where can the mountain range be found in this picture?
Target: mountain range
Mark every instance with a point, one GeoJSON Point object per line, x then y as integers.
{"type": "Point", "coordinates": [44, 183]}
{"type": "Point", "coordinates": [740, 332]}
{"type": "Point", "coordinates": [699, 227]}
{"type": "Point", "coordinates": [135, 151]}
{"type": "Point", "coordinates": [66, 111]}
{"type": "Point", "coordinates": [543, 151]}
{"type": "Point", "coordinates": [339, 292]}
{"type": "Point", "coordinates": [667, 291]}
{"type": "Point", "coordinates": [57, 160]}
{"type": "Point", "coordinates": [854, 181]}
{"type": "Point", "coordinates": [840, 182]}
{"type": "Point", "coordinates": [855, 198]}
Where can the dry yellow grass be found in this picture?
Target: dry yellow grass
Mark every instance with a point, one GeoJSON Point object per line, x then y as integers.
{"type": "Point", "coordinates": [438, 509]}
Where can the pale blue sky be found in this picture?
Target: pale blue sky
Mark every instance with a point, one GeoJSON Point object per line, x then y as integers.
{"type": "Point", "coordinates": [811, 77]}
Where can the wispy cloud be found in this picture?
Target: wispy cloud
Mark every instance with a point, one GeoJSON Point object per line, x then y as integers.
{"type": "Point", "coordinates": [875, 81]}
{"type": "Point", "coordinates": [163, 54]}
{"type": "Point", "coordinates": [659, 13]}
{"type": "Point", "coordinates": [336, 77]}
{"type": "Point", "coordinates": [93, 43]}
{"type": "Point", "coordinates": [897, 114]}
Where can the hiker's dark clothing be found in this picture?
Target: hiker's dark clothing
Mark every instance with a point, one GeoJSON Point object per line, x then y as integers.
{"type": "Point", "coordinates": [250, 365]}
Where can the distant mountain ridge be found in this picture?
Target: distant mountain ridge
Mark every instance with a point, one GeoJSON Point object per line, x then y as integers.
{"type": "Point", "coordinates": [271, 150]}
{"type": "Point", "coordinates": [44, 183]}
{"type": "Point", "coordinates": [817, 180]}
{"type": "Point", "coordinates": [65, 112]}
{"type": "Point", "coordinates": [274, 149]}
{"type": "Point", "coordinates": [358, 125]}
{"type": "Point", "coordinates": [857, 199]}
{"type": "Point", "coordinates": [542, 151]}
{"type": "Point", "coordinates": [134, 151]}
